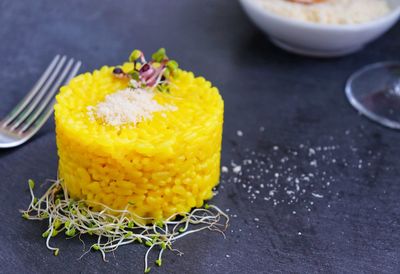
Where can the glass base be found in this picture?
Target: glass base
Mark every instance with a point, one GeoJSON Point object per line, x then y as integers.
{"type": "Point", "coordinates": [375, 92]}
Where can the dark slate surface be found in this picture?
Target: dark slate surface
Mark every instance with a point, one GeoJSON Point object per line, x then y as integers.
{"type": "Point", "coordinates": [354, 228]}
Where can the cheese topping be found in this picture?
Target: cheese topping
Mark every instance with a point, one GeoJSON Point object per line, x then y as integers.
{"type": "Point", "coordinates": [127, 106]}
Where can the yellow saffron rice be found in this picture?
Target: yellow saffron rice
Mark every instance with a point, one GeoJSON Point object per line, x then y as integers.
{"type": "Point", "coordinates": [159, 167]}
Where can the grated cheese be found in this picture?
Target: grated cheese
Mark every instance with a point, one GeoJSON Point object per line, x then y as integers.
{"type": "Point", "coordinates": [127, 106]}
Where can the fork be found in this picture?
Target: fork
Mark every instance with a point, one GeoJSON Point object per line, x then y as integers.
{"type": "Point", "coordinates": [32, 112]}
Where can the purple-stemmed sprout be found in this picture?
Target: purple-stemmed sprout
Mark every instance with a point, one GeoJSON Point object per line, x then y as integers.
{"type": "Point", "coordinates": [152, 74]}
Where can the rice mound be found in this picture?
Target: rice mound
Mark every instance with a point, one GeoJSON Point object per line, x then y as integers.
{"type": "Point", "coordinates": [159, 167]}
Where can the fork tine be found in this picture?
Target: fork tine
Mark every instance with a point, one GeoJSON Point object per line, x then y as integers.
{"type": "Point", "coordinates": [25, 101]}
{"type": "Point", "coordinates": [39, 96]}
{"type": "Point", "coordinates": [73, 72]}
{"type": "Point", "coordinates": [51, 93]}
{"type": "Point", "coordinates": [50, 108]}
{"type": "Point", "coordinates": [40, 122]}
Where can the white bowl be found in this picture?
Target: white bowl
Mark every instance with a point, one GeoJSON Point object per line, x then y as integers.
{"type": "Point", "coordinates": [319, 40]}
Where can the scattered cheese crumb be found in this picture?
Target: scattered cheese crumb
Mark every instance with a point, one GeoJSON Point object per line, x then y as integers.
{"type": "Point", "coordinates": [237, 169]}
{"type": "Point", "coordinates": [316, 195]}
{"type": "Point", "coordinates": [224, 169]}
{"type": "Point", "coordinates": [239, 133]}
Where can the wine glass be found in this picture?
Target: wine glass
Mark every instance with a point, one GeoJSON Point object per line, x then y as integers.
{"type": "Point", "coordinates": [375, 92]}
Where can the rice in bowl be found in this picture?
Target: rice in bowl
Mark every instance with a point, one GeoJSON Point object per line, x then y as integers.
{"type": "Point", "coordinates": [336, 12]}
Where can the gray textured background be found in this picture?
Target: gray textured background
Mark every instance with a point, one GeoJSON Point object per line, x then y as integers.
{"type": "Point", "coordinates": [353, 229]}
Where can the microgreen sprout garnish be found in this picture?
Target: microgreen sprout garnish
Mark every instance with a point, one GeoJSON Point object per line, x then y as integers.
{"type": "Point", "coordinates": [115, 228]}
{"type": "Point", "coordinates": [155, 73]}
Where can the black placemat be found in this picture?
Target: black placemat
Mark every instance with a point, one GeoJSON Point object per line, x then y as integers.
{"type": "Point", "coordinates": [319, 184]}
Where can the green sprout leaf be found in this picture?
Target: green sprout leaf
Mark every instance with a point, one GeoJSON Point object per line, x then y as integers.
{"type": "Point", "coordinates": [167, 73]}
{"type": "Point", "coordinates": [57, 223]}
{"type": "Point", "coordinates": [159, 55]}
{"type": "Point", "coordinates": [54, 233]}
{"type": "Point", "coordinates": [25, 215]}
{"type": "Point", "coordinates": [172, 65]}
{"type": "Point", "coordinates": [135, 76]}
{"type": "Point", "coordinates": [135, 55]}
{"type": "Point", "coordinates": [160, 224]}
{"type": "Point", "coordinates": [128, 235]}
{"type": "Point", "coordinates": [158, 262]}
{"type": "Point", "coordinates": [96, 247]}
{"type": "Point", "coordinates": [81, 205]}
{"type": "Point", "coordinates": [67, 224]}
{"type": "Point", "coordinates": [31, 184]}
{"type": "Point", "coordinates": [70, 232]}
